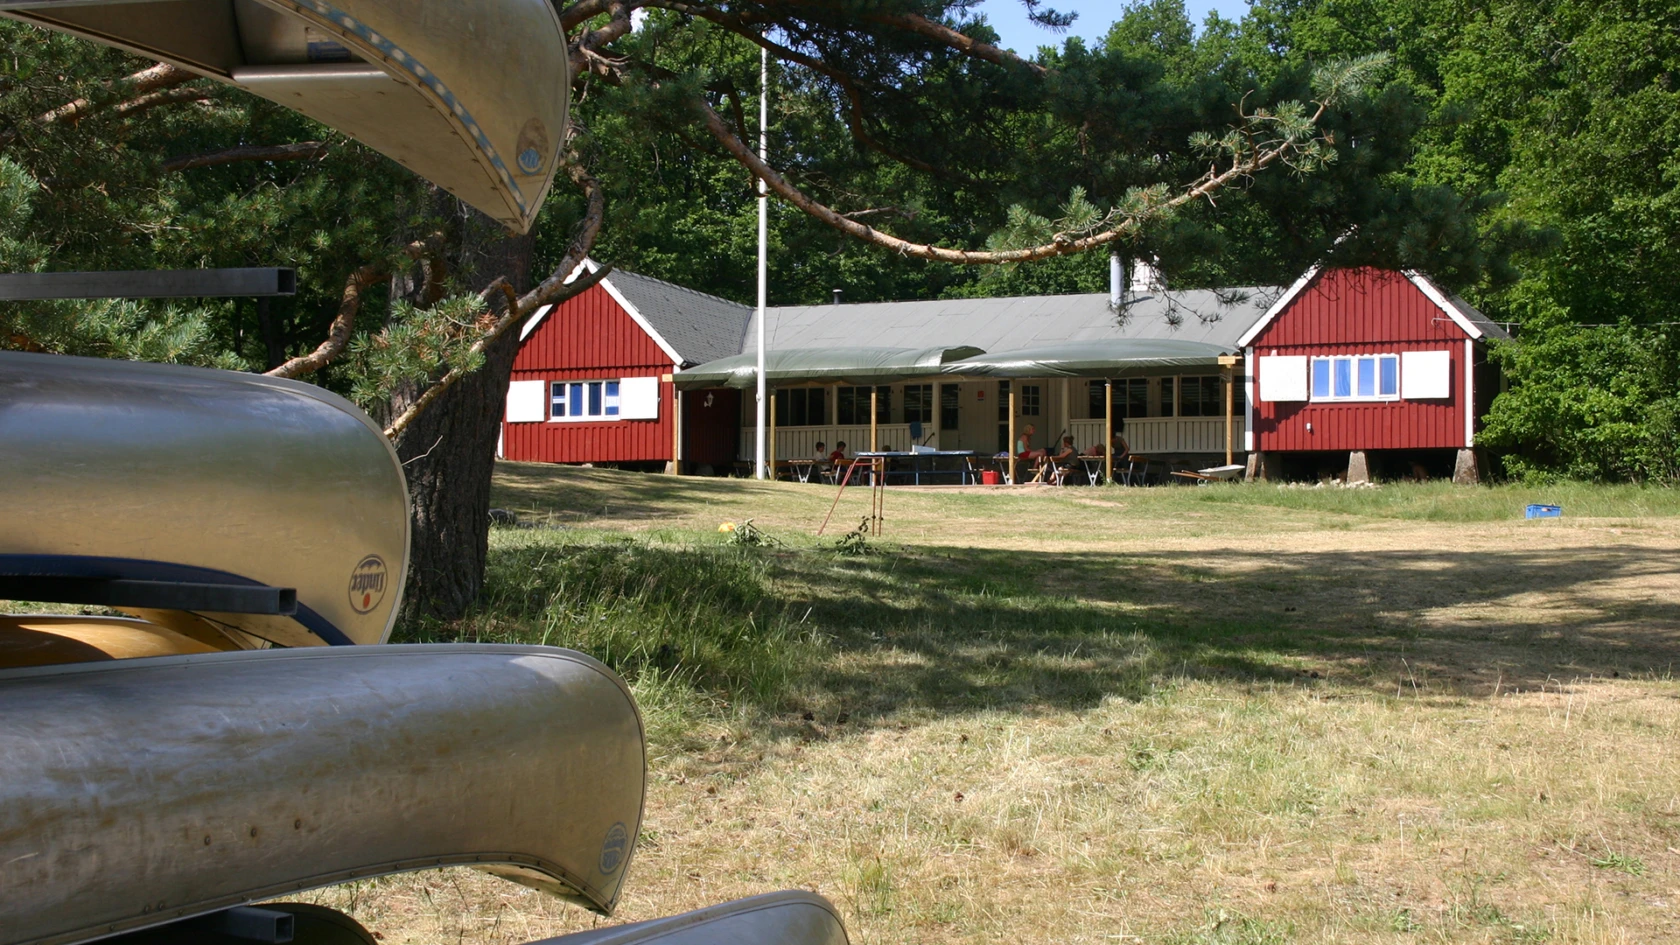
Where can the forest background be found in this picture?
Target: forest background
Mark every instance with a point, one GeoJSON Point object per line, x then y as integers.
{"type": "Point", "coordinates": [1526, 153]}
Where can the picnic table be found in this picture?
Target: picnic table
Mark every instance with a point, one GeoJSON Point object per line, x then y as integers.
{"type": "Point", "coordinates": [802, 469]}
{"type": "Point", "coordinates": [916, 458]}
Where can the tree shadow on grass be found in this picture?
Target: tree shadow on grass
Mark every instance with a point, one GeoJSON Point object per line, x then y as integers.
{"type": "Point", "coordinates": [570, 493]}
{"type": "Point", "coordinates": [955, 630]}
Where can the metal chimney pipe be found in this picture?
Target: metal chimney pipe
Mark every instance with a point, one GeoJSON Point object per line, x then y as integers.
{"type": "Point", "coordinates": [836, 296]}
{"type": "Point", "coordinates": [1116, 280]}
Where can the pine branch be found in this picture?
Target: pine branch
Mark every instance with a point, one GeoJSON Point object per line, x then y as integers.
{"type": "Point", "coordinates": [338, 334]}
{"type": "Point", "coordinates": [301, 151]}
{"type": "Point", "coordinates": [553, 290]}
{"type": "Point", "coordinates": [1145, 207]}
{"type": "Point", "coordinates": [151, 100]}
{"type": "Point", "coordinates": [161, 76]}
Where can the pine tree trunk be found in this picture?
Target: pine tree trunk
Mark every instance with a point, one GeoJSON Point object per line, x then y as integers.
{"type": "Point", "coordinates": [449, 452]}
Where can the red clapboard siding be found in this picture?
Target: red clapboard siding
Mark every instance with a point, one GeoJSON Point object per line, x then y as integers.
{"type": "Point", "coordinates": [1362, 311]}
{"type": "Point", "coordinates": [591, 337]}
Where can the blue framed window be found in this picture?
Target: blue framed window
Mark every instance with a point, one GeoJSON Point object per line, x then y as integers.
{"type": "Point", "coordinates": [1359, 377]}
{"type": "Point", "coordinates": [1321, 379]}
{"type": "Point", "coordinates": [583, 400]}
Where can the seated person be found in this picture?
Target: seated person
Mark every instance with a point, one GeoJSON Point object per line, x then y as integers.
{"type": "Point", "coordinates": [819, 454]}
{"type": "Point", "coordinates": [839, 455]}
{"type": "Point", "coordinates": [1065, 458]}
{"type": "Point", "coordinates": [1121, 448]}
{"type": "Point", "coordinates": [1023, 444]}
{"type": "Point", "coordinates": [1065, 453]}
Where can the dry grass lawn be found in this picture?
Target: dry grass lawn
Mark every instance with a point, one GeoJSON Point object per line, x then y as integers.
{"type": "Point", "coordinates": [1221, 715]}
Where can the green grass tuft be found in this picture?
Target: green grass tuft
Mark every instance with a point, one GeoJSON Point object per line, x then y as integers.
{"type": "Point", "coordinates": [660, 616]}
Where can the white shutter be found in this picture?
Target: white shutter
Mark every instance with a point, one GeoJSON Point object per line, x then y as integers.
{"type": "Point", "coordinates": [1425, 375]}
{"type": "Point", "coordinates": [1283, 377]}
{"type": "Point", "coordinates": [527, 401]}
{"type": "Point", "coordinates": [638, 398]}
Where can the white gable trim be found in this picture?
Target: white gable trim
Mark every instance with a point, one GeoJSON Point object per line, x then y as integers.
{"type": "Point", "coordinates": [1416, 278]}
{"type": "Point", "coordinates": [617, 296]}
{"type": "Point", "coordinates": [1440, 299]}
{"type": "Point", "coordinates": [1277, 308]}
{"type": "Point", "coordinates": [532, 322]}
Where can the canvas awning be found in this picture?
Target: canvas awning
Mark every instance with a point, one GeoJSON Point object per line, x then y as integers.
{"type": "Point", "coordinates": [1107, 357]}
{"type": "Point", "coordinates": [824, 366]}
{"type": "Point", "coordinates": [471, 94]}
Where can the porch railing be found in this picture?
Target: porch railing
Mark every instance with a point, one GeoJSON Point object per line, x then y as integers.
{"type": "Point", "coordinates": [1164, 435]}
{"type": "Point", "coordinates": [801, 442]}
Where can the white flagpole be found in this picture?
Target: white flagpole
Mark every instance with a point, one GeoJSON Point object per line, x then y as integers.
{"type": "Point", "coordinates": [761, 466]}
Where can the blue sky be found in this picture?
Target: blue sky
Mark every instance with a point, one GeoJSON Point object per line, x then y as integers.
{"type": "Point", "coordinates": [1009, 18]}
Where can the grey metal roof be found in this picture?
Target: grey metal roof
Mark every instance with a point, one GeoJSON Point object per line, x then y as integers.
{"type": "Point", "coordinates": [705, 328]}
{"type": "Point", "coordinates": [1006, 324]}
{"type": "Point", "coordinates": [700, 327]}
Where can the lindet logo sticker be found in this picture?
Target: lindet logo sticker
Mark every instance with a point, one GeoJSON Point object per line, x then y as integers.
{"type": "Point", "coordinates": [367, 584]}
{"type": "Point", "coordinates": [614, 848]}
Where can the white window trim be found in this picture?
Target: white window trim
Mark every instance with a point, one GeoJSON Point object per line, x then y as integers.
{"type": "Point", "coordinates": [596, 418]}
{"type": "Point", "coordinates": [1355, 398]}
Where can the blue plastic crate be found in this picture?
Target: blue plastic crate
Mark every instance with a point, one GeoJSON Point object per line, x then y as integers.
{"type": "Point", "coordinates": [1544, 511]}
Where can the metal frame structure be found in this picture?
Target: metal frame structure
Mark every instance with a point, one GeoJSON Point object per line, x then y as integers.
{"type": "Point", "coordinates": [258, 282]}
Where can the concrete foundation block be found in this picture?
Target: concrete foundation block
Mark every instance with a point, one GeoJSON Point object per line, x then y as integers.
{"type": "Point", "coordinates": [1358, 469]}
{"type": "Point", "coordinates": [1467, 471]}
{"type": "Point", "coordinates": [1257, 471]}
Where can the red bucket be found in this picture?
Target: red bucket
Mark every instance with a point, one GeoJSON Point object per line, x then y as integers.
{"type": "Point", "coordinates": [990, 477]}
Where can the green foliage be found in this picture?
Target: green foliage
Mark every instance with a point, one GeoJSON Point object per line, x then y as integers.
{"type": "Point", "coordinates": [747, 535]}
{"type": "Point", "coordinates": [94, 195]}
{"type": "Point", "coordinates": [1525, 153]}
{"type": "Point", "coordinates": [417, 345]}
{"type": "Point", "coordinates": [1593, 403]}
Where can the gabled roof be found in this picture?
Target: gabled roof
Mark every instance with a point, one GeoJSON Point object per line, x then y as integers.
{"type": "Point", "coordinates": [700, 327]}
{"type": "Point", "coordinates": [1006, 324]}
{"type": "Point", "coordinates": [1463, 314]}
{"type": "Point", "coordinates": [690, 327]}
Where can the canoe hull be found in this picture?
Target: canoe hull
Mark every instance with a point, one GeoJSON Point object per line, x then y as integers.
{"type": "Point", "coordinates": [794, 917]}
{"type": "Point", "coordinates": [472, 96]}
{"type": "Point", "coordinates": [162, 473]}
{"type": "Point", "coordinates": [139, 792]}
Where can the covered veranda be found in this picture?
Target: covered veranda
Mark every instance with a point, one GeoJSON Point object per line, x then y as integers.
{"type": "Point", "coordinates": [961, 400]}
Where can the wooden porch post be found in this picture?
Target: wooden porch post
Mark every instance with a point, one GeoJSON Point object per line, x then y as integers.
{"type": "Point", "coordinates": [874, 405]}
{"type": "Point", "coordinates": [1229, 363]}
{"type": "Point", "coordinates": [937, 412]}
{"type": "Point", "coordinates": [676, 429]}
{"type": "Point", "coordinates": [1108, 429]}
{"type": "Point", "coordinates": [770, 449]}
{"type": "Point", "coordinates": [1067, 411]}
{"type": "Point", "coordinates": [1011, 448]}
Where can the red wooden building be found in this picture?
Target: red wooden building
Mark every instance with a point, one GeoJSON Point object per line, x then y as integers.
{"type": "Point", "coordinates": [592, 380]}
{"type": "Point", "coordinates": [1357, 360]}
{"type": "Point", "coordinates": [1347, 369]}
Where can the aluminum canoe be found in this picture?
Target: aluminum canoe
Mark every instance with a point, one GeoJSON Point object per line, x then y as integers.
{"type": "Point", "coordinates": [469, 94]}
{"type": "Point", "coordinates": [794, 917]}
{"type": "Point", "coordinates": [159, 474]}
{"type": "Point", "coordinates": [142, 791]}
